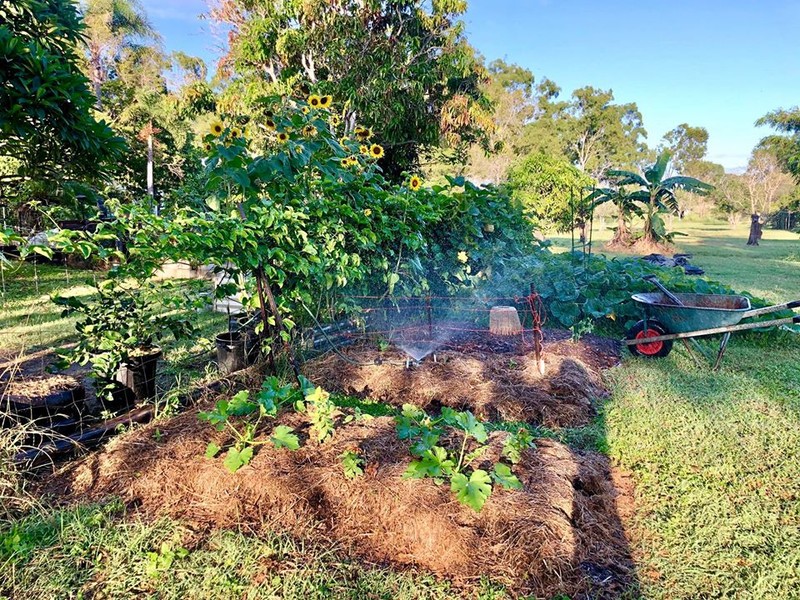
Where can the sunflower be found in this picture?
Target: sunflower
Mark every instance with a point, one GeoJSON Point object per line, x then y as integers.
{"type": "Point", "coordinates": [364, 149]}
{"type": "Point", "coordinates": [463, 257]}
{"type": "Point", "coordinates": [314, 101]}
{"type": "Point", "coordinates": [235, 133]}
{"type": "Point", "coordinates": [414, 183]}
{"type": "Point", "coordinates": [309, 130]}
{"type": "Point", "coordinates": [376, 151]}
{"type": "Point", "coordinates": [334, 120]}
{"type": "Point", "coordinates": [363, 133]}
{"type": "Point", "coordinates": [283, 137]}
{"type": "Point", "coordinates": [326, 101]}
{"type": "Point", "coordinates": [270, 124]}
{"type": "Point", "coordinates": [216, 128]}
{"type": "Point", "coordinates": [207, 147]}
{"type": "Point", "coordinates": [367, 212]}
{"type": "Point", "coordinates": [345, 161]}
{"type": "Point", "coordinates": [305, 110]}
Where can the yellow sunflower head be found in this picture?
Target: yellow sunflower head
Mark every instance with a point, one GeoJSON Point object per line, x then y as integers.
{"type": "Point", "coordinates": [314, 101]}
{"type": "Point", "coordinates": [334, 120]}
{"type": "Point", "coordinates": [367, 212]}
{"type": "Point", "coordinates": [270, 123]}
{"type": "Point", "coordinates": [305, 110]}
{"type": "Point", "coordinates": [364, 149]}
{"type": "Point", "coordinates": [363, 133]}
{"type": "Point", "coordinates": [207, 147]}
{"type": "Point", "coordinates": [376, 151]}
{"type": "Point", "coordinates": [216, 128]}
{"type": "Point", "coordinates": [283, 137]}
{"type": "Point", "coordinates": [235, 133]}
{"type": "Point", "coordinates": [325, 101]}
{"type": "Point", "coordinates": [345, 161]}
{"type": "Point", "coordinates": [309, 130]}
{"type": "Point", "coordinates": [414, 183]}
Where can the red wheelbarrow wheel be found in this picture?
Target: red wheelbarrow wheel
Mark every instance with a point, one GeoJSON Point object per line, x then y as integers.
{"type": "Point", "coordinates": [649, 349]}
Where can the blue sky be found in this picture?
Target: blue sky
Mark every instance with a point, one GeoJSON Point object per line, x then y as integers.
{"type": "Point", "coordinates": [719, 65]}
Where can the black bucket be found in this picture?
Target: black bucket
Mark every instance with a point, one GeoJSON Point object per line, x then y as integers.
{"type": "Point", "coordinates": [231, 351]}
{"type": "Point", "coordinates": [139, 374]}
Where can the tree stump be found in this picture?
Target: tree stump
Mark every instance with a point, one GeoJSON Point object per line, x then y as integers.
{"type": "Point", "coordinates": [755, 230]}
{"type": "Point", "coordinates": [504, 320]}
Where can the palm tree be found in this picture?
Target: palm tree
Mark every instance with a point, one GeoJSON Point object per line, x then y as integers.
{"type": "Point", "coordinates": [626, 207]}
{"type": "Point", "coordinates": [110, 26]}
{"type": "Point", "coordinates": [657, 194]}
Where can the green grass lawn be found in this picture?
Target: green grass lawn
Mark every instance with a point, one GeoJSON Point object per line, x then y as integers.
{"type": "Point", "coordinates": [715, 455]}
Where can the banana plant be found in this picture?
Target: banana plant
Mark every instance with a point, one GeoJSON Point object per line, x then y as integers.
{"type": "Point", "coordinates": [626, 208]}
{"type": "Point", "coordinates": [657, 194]}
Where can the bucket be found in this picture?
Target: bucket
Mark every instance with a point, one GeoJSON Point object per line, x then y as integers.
{"type": "Point", "coordinates": [231, 355]}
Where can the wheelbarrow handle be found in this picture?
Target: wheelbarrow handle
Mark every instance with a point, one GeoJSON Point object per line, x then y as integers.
{"type": "Point", "coordinates": [770, 309]}
{"type": "Point", "coordinates": [655, 281]}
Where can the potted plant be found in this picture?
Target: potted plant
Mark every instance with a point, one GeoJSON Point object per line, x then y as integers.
{"type": "Point", "coordinates": [119, 331]}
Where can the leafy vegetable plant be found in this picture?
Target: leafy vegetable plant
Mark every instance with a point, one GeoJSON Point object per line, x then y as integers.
{"type": "Point", "coordinates": [243, 417]}
{"type": "Point", "coordinates": [435, 459]}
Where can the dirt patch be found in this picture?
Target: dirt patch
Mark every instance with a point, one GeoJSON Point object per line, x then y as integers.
{"type": "Point", "coordinates": [495, 378]}
{"type": "Point", "coordinates": [560, 534]}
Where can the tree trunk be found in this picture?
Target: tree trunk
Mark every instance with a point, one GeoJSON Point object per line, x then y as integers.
{"type": "Point", "coordinates": [622, 236]}
{"type": "Point", "coordinates": [755, 230]}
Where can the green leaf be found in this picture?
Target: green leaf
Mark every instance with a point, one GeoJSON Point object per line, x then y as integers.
{"type": "Point", "coordinates": [240, 404]}
{"type": "Point", "coordinates": [235, 459]}
{"type": "Point", "coordinates": [212, 450]}
{"type": "Point", "coordinates": [472, 492]}
{"type": "Point", "coordinates": [283, 437]}
{"type": "Point", "coordinates": [502, 475]}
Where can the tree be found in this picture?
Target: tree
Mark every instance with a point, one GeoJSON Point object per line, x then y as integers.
{"type": "Point", "coordinates": [550, 189]}
{"type": "Point", "coordinates": [765, 180]}
{"type": "Point", "coordinates": [785, 147]}
{"type": "Point", "coordinates": [405, 65]}
{"type": "Point", "coordinates": [510, 91]}
{"type": "Point", "coordinates": [687, 145]}
{"type": "Point", "coordinates": [657, 194]}
{"type": "Point", "coordinates": [111, 26]}
{"type": "Point", "coordinates": [626, 208]}
{"type": "Point", "coordinates": [589, 130]}
{"type": "Point", "coordinates": [46, 120]}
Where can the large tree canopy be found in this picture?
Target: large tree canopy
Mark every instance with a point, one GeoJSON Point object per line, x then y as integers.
{"type": "Point", "coordinates": [46, 117]}
{"type": "Point", "coordinates": [401, 67]}
{"type": "Point", "coordinates": [786, 147]}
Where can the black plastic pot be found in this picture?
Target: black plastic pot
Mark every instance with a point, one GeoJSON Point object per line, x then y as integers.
{"type": "Point", "coordinates": [232, 349]}
{"type": "Point", "coordinates": [47, 407]}
{"type": "Point", "coordinates": [139, 374]}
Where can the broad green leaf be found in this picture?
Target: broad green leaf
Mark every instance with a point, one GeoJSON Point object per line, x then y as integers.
{"type": "Point", "coordinates": [235, 459]}
{"type": "Point", "coordinates": [502, 474]}
{"type": "Point", "coordinates": [212, 450]}
{"type": "Point", "coordinates": [283, 437]}
{"type": "Point", "coordinates": [472, 491]}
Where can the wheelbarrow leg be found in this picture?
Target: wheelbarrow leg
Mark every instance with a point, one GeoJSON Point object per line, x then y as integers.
{"type": "Point", "coordinates": [723, 345]}
{"type": "Point", "coordinates": [688, 343]}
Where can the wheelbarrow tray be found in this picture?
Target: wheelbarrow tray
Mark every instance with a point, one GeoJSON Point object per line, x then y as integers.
{"type": "Point", "coordinates": [700, 311]}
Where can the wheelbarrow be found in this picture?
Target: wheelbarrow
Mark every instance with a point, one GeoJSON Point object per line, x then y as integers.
{"type": "Point", "coordinates": [669, 317]}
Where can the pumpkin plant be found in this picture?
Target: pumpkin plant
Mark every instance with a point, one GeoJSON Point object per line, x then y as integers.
{"type": "Point", "coordinates": [453, 462]}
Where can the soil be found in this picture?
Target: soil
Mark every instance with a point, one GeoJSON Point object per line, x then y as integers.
{"type": "Point", "coordinates": [497, 378]}
{"type": "Point", "coordinates": [560, 534]}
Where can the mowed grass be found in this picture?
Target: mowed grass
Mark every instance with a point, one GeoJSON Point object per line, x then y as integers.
{"type": "Point", "coordinates": [99, 552]}
{"type": "Point", "coordinates": [715, 455]}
